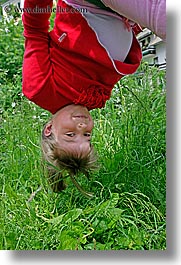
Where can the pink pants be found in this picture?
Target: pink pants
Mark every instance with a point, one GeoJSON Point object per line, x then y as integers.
{"type": "Point", "coordinates": [148, 13]}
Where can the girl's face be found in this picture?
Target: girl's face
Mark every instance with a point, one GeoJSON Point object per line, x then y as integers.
{"type": "Point", "coordinates": [72, 127]}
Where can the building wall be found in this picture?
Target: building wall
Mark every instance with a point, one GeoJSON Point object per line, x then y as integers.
{"type": "Point", "coordinates": [153, 48]}
{"type": "Point", "coordinates": [161, 53]}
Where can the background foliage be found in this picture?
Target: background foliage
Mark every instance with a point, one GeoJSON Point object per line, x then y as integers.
{"type": "Point", "coordinates": [128, 207]}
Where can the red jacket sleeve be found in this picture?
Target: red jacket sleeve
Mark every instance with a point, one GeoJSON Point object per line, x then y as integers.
{"type": "Point", "coordinates": [37, 68]}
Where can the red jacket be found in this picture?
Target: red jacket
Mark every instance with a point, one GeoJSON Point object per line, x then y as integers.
{"type": "Point", "coordinates": [68, 64]}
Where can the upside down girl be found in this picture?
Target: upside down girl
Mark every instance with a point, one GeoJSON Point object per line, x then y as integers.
{"type": "Point", "coordinates": [73, 68]}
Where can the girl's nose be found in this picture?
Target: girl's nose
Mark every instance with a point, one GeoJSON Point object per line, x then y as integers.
{"type": "Point", "coordinates": [81, 125]}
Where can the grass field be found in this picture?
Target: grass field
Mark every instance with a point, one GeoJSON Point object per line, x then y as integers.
{"type": "Point", "coordinates": [128, 208]}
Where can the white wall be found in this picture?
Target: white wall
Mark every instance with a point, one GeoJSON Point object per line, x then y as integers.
{"type": "Point", "coordinates": [161, 52]}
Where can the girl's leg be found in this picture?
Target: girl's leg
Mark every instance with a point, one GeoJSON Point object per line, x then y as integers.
{"type": "Point", "coordinates": [148, 13]}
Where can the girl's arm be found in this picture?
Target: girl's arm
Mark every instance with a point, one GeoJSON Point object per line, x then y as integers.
{"type": "Point", "coordinates": [37, 69]}
{"type": "Point", "coordinates": [148, 13]}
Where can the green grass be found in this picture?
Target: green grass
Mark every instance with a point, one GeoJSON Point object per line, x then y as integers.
{"type": "Point", "coordinates": [129, 204]}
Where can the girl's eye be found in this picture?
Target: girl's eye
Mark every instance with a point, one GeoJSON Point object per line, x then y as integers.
{"type": "Point", "coordinates": [87, 134]}
{"type": "Point", "coordinates": [70, 134]}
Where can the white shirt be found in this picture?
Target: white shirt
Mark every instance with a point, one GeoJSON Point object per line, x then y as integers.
{"type": "Point", "coordinates": [109, 28]}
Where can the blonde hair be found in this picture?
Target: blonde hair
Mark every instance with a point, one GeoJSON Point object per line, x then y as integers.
{"type": "Point", "coordinates": [58, 161]}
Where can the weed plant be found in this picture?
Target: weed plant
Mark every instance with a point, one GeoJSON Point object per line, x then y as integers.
{"type": "Point", "coordinates": [129, 204]}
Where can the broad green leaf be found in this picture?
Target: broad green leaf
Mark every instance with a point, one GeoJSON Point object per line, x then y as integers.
{"type": "Point", "coordinates": [72, 215]}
